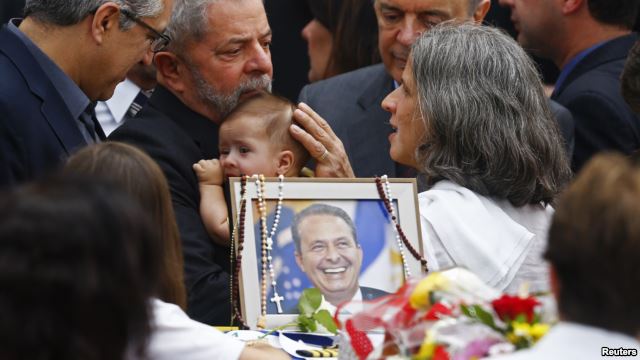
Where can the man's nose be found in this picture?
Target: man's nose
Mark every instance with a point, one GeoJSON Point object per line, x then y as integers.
{"type": "Point", "coordinates": [332, 255]}
{"type": "Point", "coordinates": [147, 58]}
{"type": "Point", "coordinates": [260, 61]}
{"type": "Point", "coordinates": [410, 30]}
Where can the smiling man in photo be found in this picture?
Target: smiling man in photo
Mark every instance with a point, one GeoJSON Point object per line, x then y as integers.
{"type": "Point", "coordinates": [328, 252]}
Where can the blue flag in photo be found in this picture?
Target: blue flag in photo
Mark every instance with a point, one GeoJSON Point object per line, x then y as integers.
{"type": "Point", "coordinates": [371, 222]}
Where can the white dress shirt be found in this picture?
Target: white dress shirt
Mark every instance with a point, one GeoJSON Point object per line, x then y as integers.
{"type": "Point", "coordinates": [111, 113]}
{"type": "Point", "coordinates": [575, 341]}
{"type": "Point", "coordinates": [500, 243]}
{"type": "Point", "coordinates": [176, 336]}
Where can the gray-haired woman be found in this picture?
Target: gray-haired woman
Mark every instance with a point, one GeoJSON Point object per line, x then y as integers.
{"type": "Point", "coordinates": [471, 116]}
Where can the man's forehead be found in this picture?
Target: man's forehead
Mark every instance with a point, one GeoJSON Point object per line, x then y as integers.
{"type": "Point", "coordinates": [420, 6]}
{"type": "Point", "coordinates": [237, 19]}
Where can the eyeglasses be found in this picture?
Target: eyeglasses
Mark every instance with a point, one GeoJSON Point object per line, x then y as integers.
{"type": "Point", "coordinates": [160, 40]}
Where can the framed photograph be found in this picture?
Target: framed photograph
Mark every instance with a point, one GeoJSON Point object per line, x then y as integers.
{"type": "Point", "coordinates": [336, 235]}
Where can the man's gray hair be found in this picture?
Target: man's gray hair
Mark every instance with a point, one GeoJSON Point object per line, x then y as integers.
{"type": "Point", "coordinates": [189, 23]}
{"type": "Point", "coordinates": [69, 12]}
{"type": "Point", "coordinates": [488, 123]}
{"type": "Point", "coordinates": [320, 209]}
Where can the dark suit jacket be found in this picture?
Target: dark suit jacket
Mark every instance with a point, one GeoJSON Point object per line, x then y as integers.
{"type": "Point", "coordinates": [566, 125]}
{"type": "Point", "coordinates": [371, 293]}
{"type": "Point", "coordinates": [176, 138]}
{"type": "Point", "coordinates": [592, 93]}
{"type": "Point", "coordinates": [351, 104]}
{"type": "Point", "coordinates": [37, 131]}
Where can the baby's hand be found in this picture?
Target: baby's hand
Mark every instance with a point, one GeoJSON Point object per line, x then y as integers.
{"type": "Point", "coordinates": [209, 172]}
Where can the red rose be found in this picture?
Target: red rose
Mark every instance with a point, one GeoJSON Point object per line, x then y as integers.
{"type": "Point", "coordinates": [509, 308]}
{"type": "Point", "coordinates": [439, 353]}
{"type": "Point", "coordinates": [437, 311]}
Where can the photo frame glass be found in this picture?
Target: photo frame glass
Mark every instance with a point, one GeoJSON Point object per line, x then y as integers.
{"type": "Point", "coordinates": [332, 234]}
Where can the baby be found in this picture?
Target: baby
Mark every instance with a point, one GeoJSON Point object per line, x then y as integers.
{"type": "Point", "coordinates": [253, 139]}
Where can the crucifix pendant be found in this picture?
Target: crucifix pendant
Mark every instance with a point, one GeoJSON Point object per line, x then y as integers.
{"type": "Point", "coordinates": [277, 299]}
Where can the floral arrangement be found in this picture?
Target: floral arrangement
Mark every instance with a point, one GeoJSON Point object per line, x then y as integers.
{"type": "Point", "coordinates": [448, 315]}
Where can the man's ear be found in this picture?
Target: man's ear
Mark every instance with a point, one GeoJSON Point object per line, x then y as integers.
{"type": "Point", "coordinates": [106, 18]}
{"type": "Point", "coordinates": [481, 10]}
{"type": "Point", "coordinates": [299, 260]}
{"type": "Point", "coordinates": [286, 161]}
{"type": "Point", "coordinates": [171, 71]}
{"type": "Point", "coordinates": [572, 6]}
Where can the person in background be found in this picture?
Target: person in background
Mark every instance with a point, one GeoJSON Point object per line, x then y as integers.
{"type": "Point", "coordinates": [319, 33]}
{"type": "Point", "coordinates": [341, 37]}
{"type": "Point", "coordinates": [355, 43]}
{"type": "Point", "coordinates": [630, 80]}
{"type": "Point", "coordinates": [78, 264]}
{"type": "Point", "coordinates": [219, 55]}
{"type": "Point", "coordinates": [128, 98]}
{"type": "Point", "coordinates": [64, 55]}
{"type": "Point", "coordinates": [174, 335]}
{"type": "Point", "coordinates": [350, 102]}
{"type": "Point", "coordinates": [591, 63]}
{"type": "Point", "coordinates": [597, 304]}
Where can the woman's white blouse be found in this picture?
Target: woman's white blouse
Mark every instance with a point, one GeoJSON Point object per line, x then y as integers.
{"type": "Point", "coordinates": [501, 243]}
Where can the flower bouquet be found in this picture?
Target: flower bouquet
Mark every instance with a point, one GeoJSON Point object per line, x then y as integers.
{"type": "Point", "coordinates": [447, 315]}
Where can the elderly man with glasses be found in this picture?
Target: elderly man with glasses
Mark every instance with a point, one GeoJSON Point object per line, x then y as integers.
{"type": "Point", "coordinates": [55, 63]}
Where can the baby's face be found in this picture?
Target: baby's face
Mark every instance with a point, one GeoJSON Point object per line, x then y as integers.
{"type": "Point", "coordinates": [245, 147]}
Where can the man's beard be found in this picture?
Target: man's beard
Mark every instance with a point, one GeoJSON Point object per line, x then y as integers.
{"type": "Point", "coordinates": [222, 104]}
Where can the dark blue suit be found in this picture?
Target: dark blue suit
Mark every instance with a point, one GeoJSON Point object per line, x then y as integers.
{"type": "Point", "coordinates": [37, 130]}
{"type": "Point", "coordinates": [591, 91]}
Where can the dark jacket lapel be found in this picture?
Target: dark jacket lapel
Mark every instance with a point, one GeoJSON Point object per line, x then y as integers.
{"type": "Point", "coordinates": [372, 129]}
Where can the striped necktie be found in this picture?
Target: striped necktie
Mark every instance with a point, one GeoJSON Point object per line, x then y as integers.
{"type": "Point", "coordinates": [137, 104]}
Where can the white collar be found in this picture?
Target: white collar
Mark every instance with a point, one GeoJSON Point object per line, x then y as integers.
{"type": "Point", "coordinates": [354, 306]}
{"type": "Point", "coordinates": [122, 98]}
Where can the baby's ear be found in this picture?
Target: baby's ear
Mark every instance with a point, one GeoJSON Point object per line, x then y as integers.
{"type": "Point", "coordinates": [286, 161]}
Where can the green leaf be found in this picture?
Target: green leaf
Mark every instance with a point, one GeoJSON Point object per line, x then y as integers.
{"type": "Point", "coordinates": [324, 318]}
{"type": "Point", "coordinates": [521, 318]}
{"type": "Point", "coordinates": [484, 316]}
{"type": "Point", "coordinates": [309, 301]}
{"type": "Point", "coordinates": [466, 312]}
{"type": "Point", "coordinates": [306, 324]}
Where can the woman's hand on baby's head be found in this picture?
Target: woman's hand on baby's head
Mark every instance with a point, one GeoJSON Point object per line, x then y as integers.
{"type": "Point", "coordinates": [209, 172]}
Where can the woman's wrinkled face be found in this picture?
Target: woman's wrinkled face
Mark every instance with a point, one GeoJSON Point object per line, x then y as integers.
{"type": "Point", "coordinates": [406, 121]}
